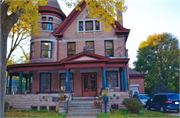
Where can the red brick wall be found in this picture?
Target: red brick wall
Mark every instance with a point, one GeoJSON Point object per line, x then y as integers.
{"type": "Point", "coordinates": [138, 80]}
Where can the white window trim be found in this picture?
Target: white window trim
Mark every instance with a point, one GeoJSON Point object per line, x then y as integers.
{"type": "Point", "coordinates": [84, 31]}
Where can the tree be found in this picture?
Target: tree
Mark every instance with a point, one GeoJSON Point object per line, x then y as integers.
{"type": "Point", "coordinates": [158, 58]}
{"type": "Point", "coordinates": [105, 10]}
{"type": "Point", "coordinates": [19, 32]}
{"type": "Point", "coordinates": [11, 11]}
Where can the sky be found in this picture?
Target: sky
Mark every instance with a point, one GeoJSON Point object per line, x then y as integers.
{"type": "Point", "coordinates": [144, 18]}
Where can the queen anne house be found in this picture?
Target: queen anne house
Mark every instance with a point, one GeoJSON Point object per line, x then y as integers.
{"type": "Point", "coordinates": [75, 55]}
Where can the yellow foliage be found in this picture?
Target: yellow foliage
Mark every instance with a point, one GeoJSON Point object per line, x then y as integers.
{"type": "Point", "coordinates": [28, 11]}
{"type": "Point", "coordinates": [105, 10]}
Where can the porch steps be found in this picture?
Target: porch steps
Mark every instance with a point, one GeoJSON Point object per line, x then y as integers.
{"type": "Point", "coordinates": [83, 107]}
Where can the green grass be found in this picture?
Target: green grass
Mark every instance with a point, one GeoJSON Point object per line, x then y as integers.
{"type": "Point", "coordinates": [33, 113]}
{"type": "Point", "coordinates": [126, 114]}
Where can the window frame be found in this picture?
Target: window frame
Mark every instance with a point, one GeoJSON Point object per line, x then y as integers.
{"type": "Point", "coordinates": [71, 50]}
{"type": "Point", "coordinates": [116, 78]}
{"type": "Point", "coordinates": [50, 18]}
{"type": "Point", "coordinates": [43, 18]}
{"type": "Point", "coordinates": [108, 49]}
{"type": "Point", "coordinates": [46, 50]}
{"type": "Point", "coordinates": [40, 82]}
{"type": "Point", "coordinates": [47, 24]}
{"type": "Point", "coordinates": [93, 46]}
{"type": "Point", "coordinates": [84, 25]}
{"type": "Point", "coordinates": [65, 81]}
{"type": "Point", "coordinates": [32, 51]}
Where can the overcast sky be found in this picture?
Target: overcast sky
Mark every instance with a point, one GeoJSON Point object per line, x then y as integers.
{"type": "Point", "coordinates": [144, 18]}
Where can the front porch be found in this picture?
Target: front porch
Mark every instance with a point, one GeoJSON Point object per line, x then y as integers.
{"type": "Point", "coordinates": [84, 74]}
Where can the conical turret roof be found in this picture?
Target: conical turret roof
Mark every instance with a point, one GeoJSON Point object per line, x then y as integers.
{"type": "Point", "coordinates": [53, 3]}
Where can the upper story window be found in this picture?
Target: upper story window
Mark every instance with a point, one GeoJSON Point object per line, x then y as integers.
{"type": "Point", "coordinates": [43, 18]}
{"type": "Point", "coordinates": [47, 26]}
{"type": "Point", "coordinates": [45, 49]}
{"type": "Point", "coordinates": [109, 48]}
{"type": "Point", "coordinates": [71, 49]}
{"type": "Point", "coordinates": [90, 46]}
{"type": "Point", "coordinates": [50, 19]}
{"type": "Point", "coordinates": [32, 51]}
{"type": "Point", "coordinates": [88, 25]}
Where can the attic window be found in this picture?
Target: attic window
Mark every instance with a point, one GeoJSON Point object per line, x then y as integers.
{"type": "Point", "coordinates": [88, 25]}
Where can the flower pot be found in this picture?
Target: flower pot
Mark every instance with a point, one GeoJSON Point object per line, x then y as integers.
{"type": "Point", "coordinates": [62, 99]}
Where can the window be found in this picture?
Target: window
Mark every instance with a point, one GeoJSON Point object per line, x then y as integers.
{"type": "Point", "coordinates": [47, 26]}
{"type": "Point", "coordinates": [50, 19]}
{"type": "Point", "coordinates": [63, 81]}
{"type": "Point", "coordinates": [89, 25]}
{"type": "Point", "coordinates": [45, 49]}
{"type": "Point", "coordinates": [109, 48]}
{"type": "Point", "coordinates": [71, 49]}
{"type": "Point", "coordinates": [43, 18]}
{"type": "Point", "coordinates": [111, 79]}
{"type": "Point", "coordinates": [32, 51]}
{"type": "Point", "coordinates": [45, 82]}
{"type": "Point", "coordinates": [80, 26]}
{"type": "Point", "coordinates": [90, 47]}
{"type": "Point", "coordinates": [97, 25]}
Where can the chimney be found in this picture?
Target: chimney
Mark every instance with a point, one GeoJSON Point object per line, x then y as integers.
{"type": "Point", "coordinates": [120, 15]}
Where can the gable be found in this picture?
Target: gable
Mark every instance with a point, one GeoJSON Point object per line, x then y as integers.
{"type": "Point", "coordinates": [69, 26]}
{"type": "Point", "coordinates": [84, 57]}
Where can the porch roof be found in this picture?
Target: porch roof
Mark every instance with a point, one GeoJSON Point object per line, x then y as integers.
{"type": "Point", "coordinates": [80, 60]}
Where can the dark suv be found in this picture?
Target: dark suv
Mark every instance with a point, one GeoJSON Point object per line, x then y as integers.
{"type": "Point", "coordinates": [164, 101]}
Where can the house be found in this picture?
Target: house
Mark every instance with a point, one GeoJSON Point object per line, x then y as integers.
{"type": "Point", "coordinates": [75, 55]}
{"type": "Point", "coordinates": [136, 82]}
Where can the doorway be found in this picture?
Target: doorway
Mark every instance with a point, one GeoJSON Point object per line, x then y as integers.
{"type": "Point", "coordinates": [89, 84]}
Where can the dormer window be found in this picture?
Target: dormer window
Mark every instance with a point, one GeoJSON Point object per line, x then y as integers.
{"type": "Point", "coordinates": [88, 25]}
{"type": "Point", "coordinates": [47, 24]}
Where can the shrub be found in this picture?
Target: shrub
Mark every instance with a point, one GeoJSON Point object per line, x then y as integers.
{"type": "Point", "coordinates": [6, 106]}
{"type": "Point", "coordinates": [133, 105]}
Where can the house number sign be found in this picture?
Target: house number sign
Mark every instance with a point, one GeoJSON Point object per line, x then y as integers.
{"type": "Point", "coordinates": [66, 79]}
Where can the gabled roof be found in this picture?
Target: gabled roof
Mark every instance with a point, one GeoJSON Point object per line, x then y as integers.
{"type": "Point", "coordinates": [84, 57]}
{"type": "Point", "coordinates": [119, 30]}
{"type": "Point", "coordinates": [135, 73]}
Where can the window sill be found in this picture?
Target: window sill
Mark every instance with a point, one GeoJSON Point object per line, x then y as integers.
{"type": "Point", "coordinates": [94, 31]}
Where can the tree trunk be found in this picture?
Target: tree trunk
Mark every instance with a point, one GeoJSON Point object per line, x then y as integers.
{"type": "Point", "coordinates": [6, 24]}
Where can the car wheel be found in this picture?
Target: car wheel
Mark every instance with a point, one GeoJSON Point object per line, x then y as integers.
{"type": "Point", "coordinates": [162, 110]}
{"type": "Point", "coordinates": [148, 107]}
{"type": "Point", "coordinates": [178, 110]}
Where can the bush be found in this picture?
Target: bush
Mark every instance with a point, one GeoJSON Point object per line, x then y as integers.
{"type": "Point", "coordinates": [6, 106]}
{"type": "Point", "coordinates": [133, 105]}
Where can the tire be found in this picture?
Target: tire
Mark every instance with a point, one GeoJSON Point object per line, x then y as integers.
{"type": "Point", "coordinates": [178, 110]}
{"type": "Point", "coordinates": [162, 109]}
{"type": "Point", "coordinates": [148, 107]}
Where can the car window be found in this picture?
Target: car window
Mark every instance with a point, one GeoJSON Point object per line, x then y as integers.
{"type": "Point", "coordinates": [144, 97]}
{"type": "Point", "coordinates": [163, 98]}
{"type": "Point", "coordinates": [173, 97]}
{"type": "Point", "coordinates": [155, 98]}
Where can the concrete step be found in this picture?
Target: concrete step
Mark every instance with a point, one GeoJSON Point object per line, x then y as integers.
{"type": "Point", "coordinates": [82, 113]}
{"type": "Point", "coordinates": [84, 110]}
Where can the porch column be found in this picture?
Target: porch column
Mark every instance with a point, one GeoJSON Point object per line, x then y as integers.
{"type": "Point", "coordinates": [29, 76]}
{"type": "Point", "coordinates": [121, 80]}
{"type": "Point", "coordinates": [104, 77]}
{"type": "Point", "coordinates": [67, 80]}
{"type": "Point", "coordinates": [26, 84]}
{"type": "Point", "coordinates": [10, 84]}
{"type": "Point", "coordinates": [125, 79]}
{"type": "Point", "coordinates": [20, 82]}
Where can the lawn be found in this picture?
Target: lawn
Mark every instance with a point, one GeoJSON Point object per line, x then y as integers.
{"type": "Point", "coordinates": [143, 113]}
{"type": "Point", "coordinates": [33, 113]}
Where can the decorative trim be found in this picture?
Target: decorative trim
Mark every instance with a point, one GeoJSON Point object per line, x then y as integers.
{"type": "Point", "coordinates": [104, 67]}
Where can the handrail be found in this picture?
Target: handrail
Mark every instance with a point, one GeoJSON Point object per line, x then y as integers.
{"type": "Point", "coordinates": [68, 102]}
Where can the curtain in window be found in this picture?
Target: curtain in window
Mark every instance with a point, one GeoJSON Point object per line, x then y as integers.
{"type": "Point", "coordinates": [45, 82]}
{"type": "Point", "coordinates": [111, 79]}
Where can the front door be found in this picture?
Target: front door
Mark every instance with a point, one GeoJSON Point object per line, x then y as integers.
{"type": "Point", "coordinates": [89, 84]}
